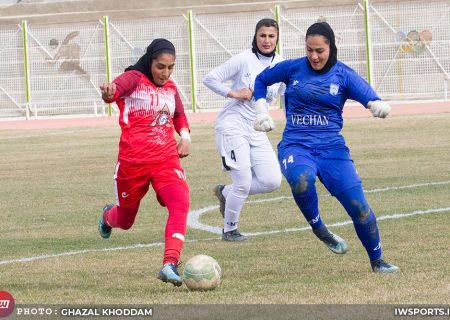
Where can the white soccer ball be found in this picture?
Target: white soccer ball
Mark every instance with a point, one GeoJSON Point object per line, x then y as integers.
{"type": "Point", "coordinates": [202, 273]}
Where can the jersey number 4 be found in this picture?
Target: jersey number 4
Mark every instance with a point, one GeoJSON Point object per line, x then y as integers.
{"type": "Point", "coordinates": [233, 156]}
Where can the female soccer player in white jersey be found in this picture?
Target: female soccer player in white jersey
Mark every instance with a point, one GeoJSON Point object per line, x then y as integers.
{"type": "Point", "coordinates": [246, 154]}
{"type": "Point", "coordinates": [317, 87]}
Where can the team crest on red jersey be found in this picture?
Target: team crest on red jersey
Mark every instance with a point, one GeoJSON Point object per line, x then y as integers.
{"type": "Point", "coordinates": [162, 117]}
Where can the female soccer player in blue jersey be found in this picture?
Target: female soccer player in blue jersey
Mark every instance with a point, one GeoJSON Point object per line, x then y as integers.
{"type": "Point", "coordinates": [318, 85]}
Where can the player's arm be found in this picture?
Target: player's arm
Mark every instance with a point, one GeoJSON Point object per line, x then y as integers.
{"type": "Point", "coordinates": [122, 86]}
{"type": "Point", "coordinates": [270, 75]}
{"type": "Point", "coordinates": [229, 70]}
{"type": "Point", "coordinates": [181, 126]}
{"type": "Point", "coordinates": [360, 90]}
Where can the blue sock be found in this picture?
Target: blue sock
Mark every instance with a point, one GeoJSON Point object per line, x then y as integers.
{"type": "Point", "coordinates": [364, 220]}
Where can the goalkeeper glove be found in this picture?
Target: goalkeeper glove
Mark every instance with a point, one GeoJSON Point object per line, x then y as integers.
{"type": "Point", "coordinates": [379, 108]}
{"type": "Point", "coordinates": [263, 120]}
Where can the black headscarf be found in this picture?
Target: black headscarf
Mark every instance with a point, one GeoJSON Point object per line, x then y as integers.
{"type": "Point", "coordinates": [324, 29]}
{"type": "Point", "coordinates": [266, 22]}
{"type": "Point", "coordinates": [155, 48]}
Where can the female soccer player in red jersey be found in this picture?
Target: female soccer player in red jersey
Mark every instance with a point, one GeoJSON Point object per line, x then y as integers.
{"type": "Point", "coordinates": [150, 109]}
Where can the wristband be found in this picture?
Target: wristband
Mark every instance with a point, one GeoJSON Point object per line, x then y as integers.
{"type": "Point", "coordinates": [185, 135]}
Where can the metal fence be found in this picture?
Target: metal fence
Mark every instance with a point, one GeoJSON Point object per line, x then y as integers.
{"type": "Point", "coordinates": [401, 48]}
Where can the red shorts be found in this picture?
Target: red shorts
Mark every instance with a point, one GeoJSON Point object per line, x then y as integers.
{"type": "Point", "coordinates": [132, 180]}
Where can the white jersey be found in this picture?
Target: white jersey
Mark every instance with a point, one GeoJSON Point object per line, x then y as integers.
{"type": "Point", "coordinates": [241, 70]}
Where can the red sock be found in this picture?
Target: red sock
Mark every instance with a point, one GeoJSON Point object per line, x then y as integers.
{"type": "Point", "coordinates": [176, 198]}
{"type": "Point", "coordinates": [172, 250]}
{"type": "Point", "coordinates": [107, 214]}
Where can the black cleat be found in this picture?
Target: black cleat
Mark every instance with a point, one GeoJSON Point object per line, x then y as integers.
{"type": "Point", "coordinates": [233, 235]}
{"type": "Point", "coordinates": [381, 266]}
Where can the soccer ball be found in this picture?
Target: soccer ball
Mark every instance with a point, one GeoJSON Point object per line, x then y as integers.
{"type": "Point", "coordinates": [202, 273]}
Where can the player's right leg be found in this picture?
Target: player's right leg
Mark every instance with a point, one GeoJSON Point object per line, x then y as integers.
{"type": "Point", "coordinates": [301, 172]}
{"type": "Point", "coordinates": [236, 194]}
{"type": "Point", "coordinates": [235, 154]}
{"type": "Point", "coordinates": [131, 184]}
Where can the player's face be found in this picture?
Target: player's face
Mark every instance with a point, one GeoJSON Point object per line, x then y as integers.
{"type": "Point", "coordinates": [162, 68]}
{"type": "Point", "coordinates": [266, 39]}
{"type": "Point", "coordinates": [317, 51]}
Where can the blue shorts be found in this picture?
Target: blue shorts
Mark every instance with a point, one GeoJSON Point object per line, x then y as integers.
{"type": "Point", "coordinates": [335, 168]}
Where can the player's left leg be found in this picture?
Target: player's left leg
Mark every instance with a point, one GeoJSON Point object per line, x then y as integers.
{"type": "Point", "coordinates": [342, 180]}
{"type": "Point", "coordinates": [366, 227]}
{"type": "Point", "coordinates": [172, 192]}
{"type": "Point", "coordinates": [176, 198]}
{"type": "Point", "coordinates": [266, 174]}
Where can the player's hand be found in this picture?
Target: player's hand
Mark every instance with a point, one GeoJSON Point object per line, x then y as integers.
{"type": "Point", "coordinates": [242, 94]}
{"type": "Point", "coordinates": [183, 148]}
{"type": "Point", "coordinates": [379, 109]}
{"type": "Point", "coordinates": [264, 121]}
{"type": "Point", "coordinates": [108, 90]}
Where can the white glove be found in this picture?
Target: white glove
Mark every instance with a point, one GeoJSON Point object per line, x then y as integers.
{"type": "Point", "coordinates": [379, 108]}
{"type": "Point", "coordinates": [263, 120]}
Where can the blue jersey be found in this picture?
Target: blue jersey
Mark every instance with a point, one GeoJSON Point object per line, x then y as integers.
{"type": "Point", "coordinates": [314, 102]}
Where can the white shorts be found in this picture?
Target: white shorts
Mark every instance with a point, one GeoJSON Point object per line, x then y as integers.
{"type": "Point", "coordinates": [241, 147]}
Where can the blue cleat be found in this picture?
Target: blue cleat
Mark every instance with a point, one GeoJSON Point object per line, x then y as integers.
{"type": "Point", "coordinates": [381, 266]}
{"type": "Point", "coordinates": [103, 229]}
{"type": "Point", "coordinates": [335, 243]}
{"type": "Point", "coordinates": [169, 273]}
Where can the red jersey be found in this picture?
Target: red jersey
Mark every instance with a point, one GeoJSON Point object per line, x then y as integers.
{"type": "Point", "coordinates": [148, 116]}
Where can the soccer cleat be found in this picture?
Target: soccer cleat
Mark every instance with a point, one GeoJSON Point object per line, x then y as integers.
{"type": "Point", "coordinates": [103, 229]}
{"type": "Point", "coordinates": [169, 273]}
{"type": "Point", "coordinates": [233, 235]}
{"type": "Point", "coordinates": [218, 193]}
{"type": "Point", "coordinates": [381, 266]}
{"type": "Point", "coordinates": [335, 243]}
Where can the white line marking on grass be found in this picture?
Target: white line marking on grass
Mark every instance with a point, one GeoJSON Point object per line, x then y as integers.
{"type": "Point", "coordinates": [344, 223]}
{"type": "Point", "coordinates": [193, 222]}
{"type": "Point", "coordinates": [159, 244]}
{"type": "Point", "coordinates": [73, 253]}
{"type": "Point", "coordinates": [194, 216]}
{"type": "Point", "coordinates": [77, 252]}
{"type": "Point", "coordinates": [44, 134]}
{"type": "Point", "coordinates": [408, 187]}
